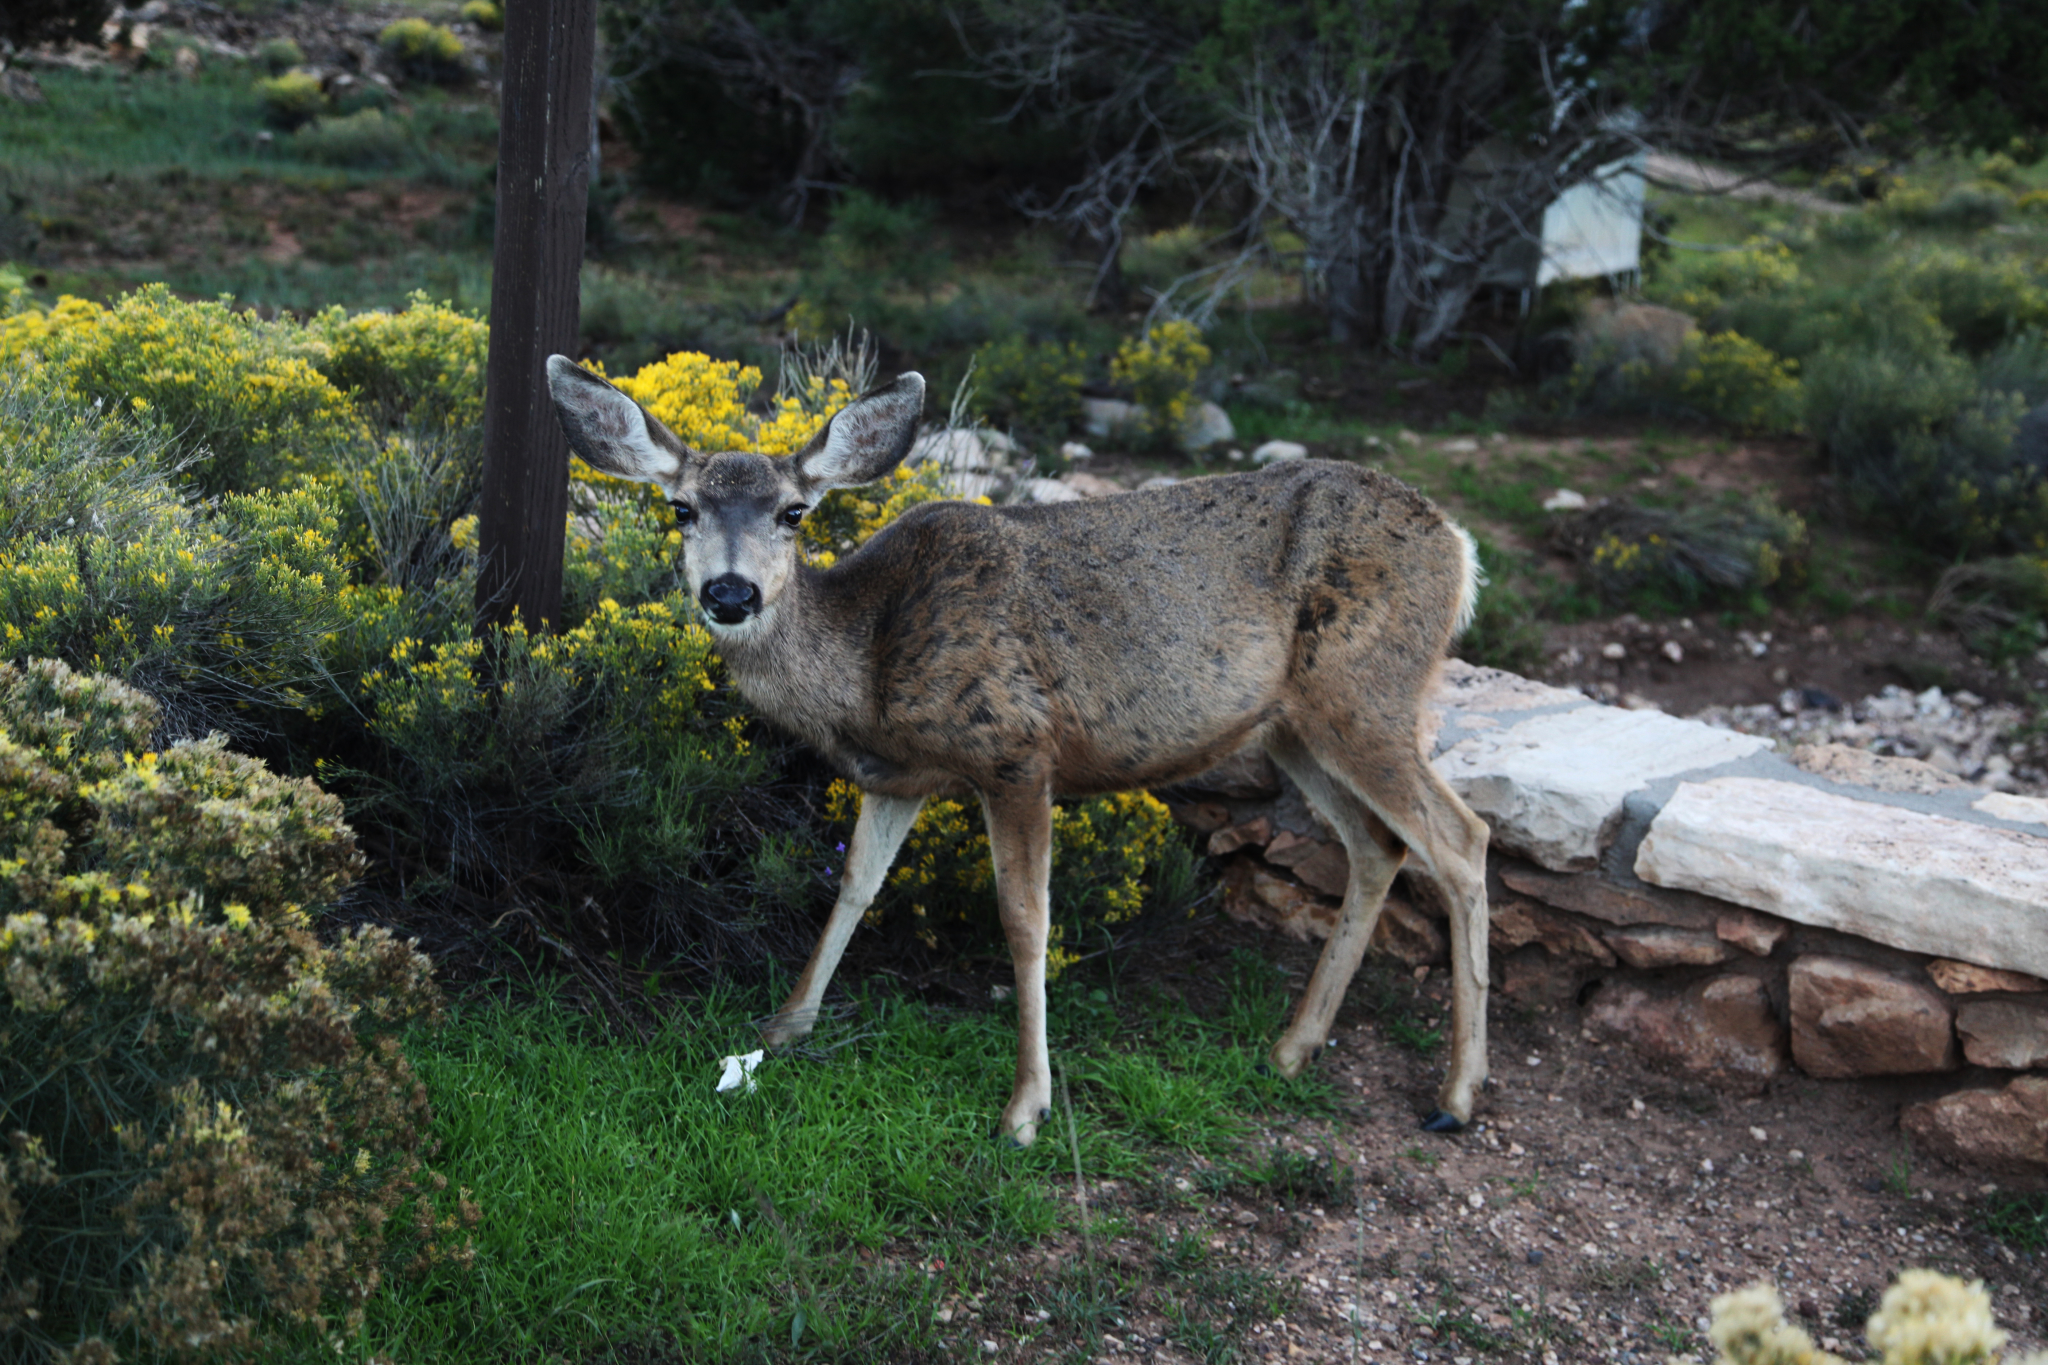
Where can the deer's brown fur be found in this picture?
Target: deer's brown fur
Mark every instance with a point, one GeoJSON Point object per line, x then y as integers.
{"type": "Point", "coordinates": [1023, 653]}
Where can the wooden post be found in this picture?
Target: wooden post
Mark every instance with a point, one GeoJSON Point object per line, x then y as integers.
{"type": "Point", "coordinates": [545, 138]}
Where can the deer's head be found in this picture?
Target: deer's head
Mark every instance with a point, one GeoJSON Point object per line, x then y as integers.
{"type": "Point", "coordinates": [740, 513]}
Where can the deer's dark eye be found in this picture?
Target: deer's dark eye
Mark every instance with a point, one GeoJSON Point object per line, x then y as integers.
{"type": "Point", "coordinates": [793, 516]}
{"type": "Point", "coordinates": [685, 514]}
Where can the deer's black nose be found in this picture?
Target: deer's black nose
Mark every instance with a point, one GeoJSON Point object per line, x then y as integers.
{"type": "Point", "coordinates": [729, 599]}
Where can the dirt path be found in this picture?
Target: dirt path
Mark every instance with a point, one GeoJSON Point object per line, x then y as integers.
{"type": "Point", "coordinates": [1686, 174]}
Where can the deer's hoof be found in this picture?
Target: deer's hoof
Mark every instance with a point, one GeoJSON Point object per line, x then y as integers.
{"type": "Point", "coordinates": [1264, 1068]}
{"type": "Point", "coordinates": [1441, 1122]}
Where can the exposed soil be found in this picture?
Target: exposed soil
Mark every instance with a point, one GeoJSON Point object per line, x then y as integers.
{"type": "Point", "coordinates": [1590, 1214]}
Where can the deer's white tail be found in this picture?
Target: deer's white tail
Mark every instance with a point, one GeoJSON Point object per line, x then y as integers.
{"type": "Point", "coordinates": [1471, 581]}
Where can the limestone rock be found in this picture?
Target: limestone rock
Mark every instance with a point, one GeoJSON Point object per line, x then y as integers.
{"type": "Point", "coordinates": [2003, 1130]}
{"type": "Point", "coordinates": [1591, 894]}
{"type": "Point", "coordinates": [1409, 936]}
{"type": "Point", "coordinates": [1967, 978]}
{"type": "Point", "coordinates": [1852, 1019]}
{"type": "Point", "coordinates": [1879, 772]}
{"type": "Point", "coordinates": [1255, 896]}
{"type": "Point", "coordinates": [2021, 810]}
{"type": "Point", "coordinates": [1050, 490]}
{"type": "Point", "coordinates": [1924, 883]}
{"type": "Point", "coordinates": [1203, 817]}
{"type": "Point", "coordinates": [1279, 450]}
{"type": "Point", "coordinates": [1247, 775]}
{"type": "Point", "coordinates": [1647, 947]}
{"type": "Point", "coordinates": [2011, 1034]}
{"type": "Point", "coordinates": [1322, 865]}
{"type": "Point", "coordinates": [1471, 687]}
{"type": "Point", "coordinates": [1753, 933]}
{"type": "Point", "coordinates": [1551, 786]}
{"type": "Point", "coordinates": [1723, 1029]}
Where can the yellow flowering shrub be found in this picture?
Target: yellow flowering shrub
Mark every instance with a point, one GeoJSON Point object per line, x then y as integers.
{"type": "Point", "coordinates": [424, 51]}
{"type": "Point", "coordinates": [1033, 387]}
{"type": "Point", "coordinates": [1160, 372]}
{"type": "Point", "coordinates": [239, 395]}
{"type": "Point", "coordinates": [1732, 379]}
{"type": "Point", "coordinates": [1658, 561]}
{"type": "Point", "coordinates": [423, 364]}
{"type": "Point", "coordinates": [1925, 1318]}
{"type": "Point", "coordinates": [1103, 850]}
{"type": "Point", "coordinates": [105, 565]}
{"type": "Point", "coordinates": [1700, 282]}
{"type": "Point", "coordinates": [212, 1128]}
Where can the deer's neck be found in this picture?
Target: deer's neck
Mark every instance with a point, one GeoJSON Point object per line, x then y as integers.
{"type": "Point", "coordinates": [802, 668]}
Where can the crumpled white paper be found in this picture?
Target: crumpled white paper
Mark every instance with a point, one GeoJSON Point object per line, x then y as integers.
{"type": "Point", "coordinates": [739, 1072]}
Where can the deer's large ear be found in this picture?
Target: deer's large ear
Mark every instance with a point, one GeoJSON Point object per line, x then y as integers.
{"type": "Point", "coordinates": [610, 430]}
{"type": "Point", "coordinates": [865, 439]}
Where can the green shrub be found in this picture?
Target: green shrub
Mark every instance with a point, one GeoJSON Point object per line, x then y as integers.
{"type": "Point", "coordinates": [1982, 300]}
{"type": "Point", "coordinates": [362, 140]}
{"type": "Point", "coordinates": [484, 15]}
{"type": "Point", "coordinates": [873, 254]}
{"type": "Point", "coordinates": [213, 1130]}
{"type": "Point", "coordinates": [292, 99]}
{"type": "Point", "coordinates": [1663, 561]}
{"type": "Point", "coordinates": [1728, 378]}
{"type": "Point", "coordinates": [279, 55]}
{"type": "Point", "coordinates": [1160, 373]}
{"type": "Point", "coordinates": [1701, 282]}
{"type": "Point", "coordinates": [424, 51]}
{"type": "Point", "coordinates": [1031, 387]}
{"type": "Point", "coordinates": [1999, 606]}
{"type": "Point", "coordinates": [1916, 442]}
{"type": "Point", "coordinates": [1966, 208]}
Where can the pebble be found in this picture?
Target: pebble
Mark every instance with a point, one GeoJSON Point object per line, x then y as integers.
{"type": "Point", "coordinates": [1673, 651]}
{"type": "Point", "coordinates": [1565, 500]}
{"type": "Point", "coordinates": [1614, 649]}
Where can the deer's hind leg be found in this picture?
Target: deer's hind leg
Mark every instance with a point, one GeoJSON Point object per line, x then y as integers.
{"type": "Point", "coordinates": [1020, 845]}
{"type": "Point", "coordinates": [1375, 855]}
{"type": "Point", "coordinates": [1382, 768]}
{"type": "Point", "coordinates": [883, 823]}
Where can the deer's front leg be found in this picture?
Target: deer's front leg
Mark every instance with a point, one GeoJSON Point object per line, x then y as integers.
{"type": "Point", "coordinates": [883, 823]}
{"type": "Point", "coordinates": [1020, 842]}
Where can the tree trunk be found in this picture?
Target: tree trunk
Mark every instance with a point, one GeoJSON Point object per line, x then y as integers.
{"type": "Point", "coordinates": [546, 142]}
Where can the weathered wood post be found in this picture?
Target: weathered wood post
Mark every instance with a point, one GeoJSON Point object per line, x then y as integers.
{"type": "Point", "coordinates": [544, 165]}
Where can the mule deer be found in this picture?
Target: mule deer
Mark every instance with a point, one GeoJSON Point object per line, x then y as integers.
{"type": "Point", "coordinates": [1022, 653]}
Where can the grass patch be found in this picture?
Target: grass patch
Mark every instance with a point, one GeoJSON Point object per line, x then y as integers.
{"type": "Point", "coordinates": [2018, 1220]}
{"type": "Point", "coordinates": [627, 1203]}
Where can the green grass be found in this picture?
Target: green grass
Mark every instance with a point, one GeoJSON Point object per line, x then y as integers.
{"type": "Point", "coordinates": [2018, 1220]}
{"type": "Point", "coordinates": [626, 1202]}
{"type": "Point", "coordinates": [100, 124]}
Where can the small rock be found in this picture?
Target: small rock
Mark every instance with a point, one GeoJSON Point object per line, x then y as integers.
{"type": "Point", "coordinates": [1074, 450]}
{"type": "Point", "coordinates": [1091, 485]}
{"type": "Point", "coordinates": [1255, 896]}
{"type": "Point", "coordinates": [1614, 649]}
{"type": "Point", "coordinates": [1158, 481]}
{"type": "Point", "coordinates": [1208, 425]}
{"type": "Point", "coordinates": [1673, 651]}
{"type": "Point", "coordinates": [1723, 1029]}
{"type": "Point", "coordinates": [1967, 978]}
{"type": "Point", "coordinates": [1463, 445]}
{"type": "Point", "coordinates": [1759, 1135]}
{"type": "Point", "coordinates": [1565, 500]}
{"type": "Point", "coordinates": [1474, 1199]}
{"type": "Point", "coordinates": [1852, 1019]}
{"type": "Point", "coordinates": [1279, 450]}
{"type": "Point", "coordinates": [2003, 1129]}
{"type": "Point", "coordinates": [1102, 417]}
{"type": "Point", "coordinates": [1234, 455]}
{"type": "Point", "coordinates": [2009, 1034]}
{"type": "Point", "coordinates": [989, 1347]}
{"type": "Point", "coordinates": [1756, 934]}
{"type": "Point", "coordinates": [1252, 834]}
{"type": "Point", "coordinates": [1050, 490]}
{"type": "Point", "coordinates": [2024, 810]}
{"type": "Point", "coordinates": [1649, 947]}
{"type": "Point", "coordinates": [1409, 936]}
{"type": "Point", "coordinates": [1407, 437]}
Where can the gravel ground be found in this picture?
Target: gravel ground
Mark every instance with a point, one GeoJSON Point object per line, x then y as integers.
{"type": "Point", "coordinates": [1591, 1213]}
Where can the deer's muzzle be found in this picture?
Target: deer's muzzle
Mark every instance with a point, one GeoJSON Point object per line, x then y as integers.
{"type": "Point", "coordinates": [729, 599]}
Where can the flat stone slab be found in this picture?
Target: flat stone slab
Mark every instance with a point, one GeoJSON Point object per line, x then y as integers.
{"type": "Point", "coordinates": [1925, 883]}
{"type": "Point", "coordinates": [1551, 786]}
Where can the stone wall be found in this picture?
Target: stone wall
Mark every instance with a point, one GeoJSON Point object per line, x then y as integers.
{"type": "Point", "coordinates": [1731, 912]}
